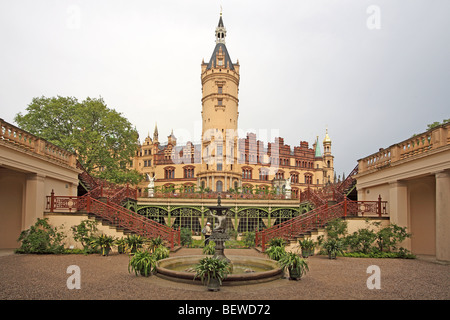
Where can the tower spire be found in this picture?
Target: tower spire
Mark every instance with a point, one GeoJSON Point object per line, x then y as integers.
{"type": "Point", "coordinates": [155, 133]}
{"type": "Point", "coordinates": [221, 32]}
{"type": "Point", "coordinates": [318, 153]}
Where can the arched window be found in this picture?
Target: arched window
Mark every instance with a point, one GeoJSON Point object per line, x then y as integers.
{"type": "Point", "coordinates": [219, 186]}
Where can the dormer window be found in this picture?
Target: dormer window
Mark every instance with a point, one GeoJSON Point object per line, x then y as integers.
{"type": "Point", "coordinates": [220, 62]}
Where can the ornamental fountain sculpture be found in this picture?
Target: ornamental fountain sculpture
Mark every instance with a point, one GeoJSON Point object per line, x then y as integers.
{"type": "Point", "coordinates": [219, 234]}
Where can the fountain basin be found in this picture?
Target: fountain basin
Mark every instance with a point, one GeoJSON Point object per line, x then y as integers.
{"type": "Point", "coordinates": [263, 270]}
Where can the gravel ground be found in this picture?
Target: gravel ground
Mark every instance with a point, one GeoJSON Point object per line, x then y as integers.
{"type": "Point", "coordinates": [38, 277]}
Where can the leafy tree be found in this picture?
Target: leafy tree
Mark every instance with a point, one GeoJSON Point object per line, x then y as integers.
{"type": "Point", "coordinates": [103, 140]}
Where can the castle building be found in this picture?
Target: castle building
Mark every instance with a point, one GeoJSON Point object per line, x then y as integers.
{"type": "Point", "coordinates": [224, 161]}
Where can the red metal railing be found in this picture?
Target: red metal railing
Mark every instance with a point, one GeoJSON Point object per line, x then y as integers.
{"type": "Point", "coordinates": [116, 214]}
{"type": "Point", "coordinates": [319, 217]}
{"type": "Point", "coordinates": [112, 210]}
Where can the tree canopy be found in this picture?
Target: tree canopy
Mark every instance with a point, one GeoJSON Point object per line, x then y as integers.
{"type": "Point", "coordinates": [103, 140]}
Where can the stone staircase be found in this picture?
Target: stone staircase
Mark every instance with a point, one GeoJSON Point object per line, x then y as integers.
{"type": "Point", "coordinates": [103, 202]}
{"type": "Point", "coordinates": [333, 197]}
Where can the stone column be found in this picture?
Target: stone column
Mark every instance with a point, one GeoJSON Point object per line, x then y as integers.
{"type": "Point", "coordinates": [398, 203]}
{"type": "Point", "coordinates": [398, 208]}
{"type": "Point", "coordinates": [34, 199]}
{"type": "Point", "coordinates": [443, 216]}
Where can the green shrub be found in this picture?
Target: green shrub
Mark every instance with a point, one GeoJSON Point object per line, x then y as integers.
{"type": "Point", "coordinates": [336, 228]}
{"type": "Point", "coordinates": [388, 237]}
{"type": "Point", "coordinates": [161, 252]}
{"type": "Point", "coordinates": [104, 242]}
{"type": "Point", "coordinates": [294, 263]}
{"type": "Point", "coordinates": [361, 240]}
{"type": "Point", "coordinates": [333, 247]}
{"type": "Point", "coordinates": [275, 252]}
{"type": "Point", "coordinates": [85, 233]}
{"type": "Point", "coordinates": [249, 239]}
{"type": "Point", "coordinates": [365, 242]}
{"type": "Point", "coordinates": [210, 248]}
{"type": "Point", "coordinates": [135, 242]}
{"type": "Point", "coordinates": [402, 254]}
{"type": "Point", "coordinates": [155, 243]}
{"type": "Point", "coordinates": [277, 242]}
{"type": "Point", "coordinates": [234, 244]}
{"type": "Point", "coordinates": [185, 237]}
{"type": "Point", "coordinates": [41, 238]}
{"type": "Point", "coordinates": [142, 263]}
{"type": "Point", "coordinates": [210, 268]}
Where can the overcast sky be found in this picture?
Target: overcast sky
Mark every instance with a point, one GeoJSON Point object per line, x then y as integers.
{"type": "Point", "coordinates": [372, 72]}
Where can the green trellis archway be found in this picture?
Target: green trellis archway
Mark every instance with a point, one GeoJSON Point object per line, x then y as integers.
{"type": "Point", "coordinates": [280, 215]}
{"type": "Point", "coordinates": [240, 219]}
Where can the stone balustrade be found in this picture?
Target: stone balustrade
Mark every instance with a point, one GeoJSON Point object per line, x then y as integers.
{"type": "Point", "coordinates": [22, 140]}
{"type": "Point", "coordinates": [408, 149]}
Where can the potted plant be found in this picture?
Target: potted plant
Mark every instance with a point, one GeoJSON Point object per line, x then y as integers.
{"type": "Point", "coordinates": [277, 242]}
{"type": "Point", "coordinates": [296, 265]}
{"type": "Point", "coordinates": [135, 242]}
{"type": "Point", "coordinates": [333, 247]}
{"type": "Point", "coordinates": [155, 243]}
{"type": "Point", "coordinates": [161, 252]}
{"type": "Point", "coordinates": [142, 263]}
{"type": "Point", "coordinates": [307, 247]}
{"type": "Point", "coordinates": [212, 271]}
{"type": "Point", "coordinates": [275, 252]}
{"type": "Point", "coordinates": [121, 245]}
{"type": "Point", "coordinates": [104, 242]}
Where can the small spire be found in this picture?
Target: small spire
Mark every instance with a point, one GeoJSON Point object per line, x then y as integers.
{"type": "Point", "coordinates": [221, 32]}
{"type": "Point", "coordinates": [155, 133]}
{"type": "Point", "coordinates": [327, 138]}
{"type": "Point", "coordinates": [318, 153]}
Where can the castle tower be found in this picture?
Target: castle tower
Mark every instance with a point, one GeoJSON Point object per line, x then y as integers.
{"type": "Point", "coordinates": [328, 159]}
{"type": "Point", "coordinates": [220, 87]}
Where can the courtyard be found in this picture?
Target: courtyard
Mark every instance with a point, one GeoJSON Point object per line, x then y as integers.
{"type": "Point", "coordinates": [44, 277]}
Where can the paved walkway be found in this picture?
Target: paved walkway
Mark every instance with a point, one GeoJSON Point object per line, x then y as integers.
{"type": "Point", "coordinates": [27, 277]}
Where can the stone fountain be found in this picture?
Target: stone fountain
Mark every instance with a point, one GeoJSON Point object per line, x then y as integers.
{"type": "Point", "coordinates": [181, 269]}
